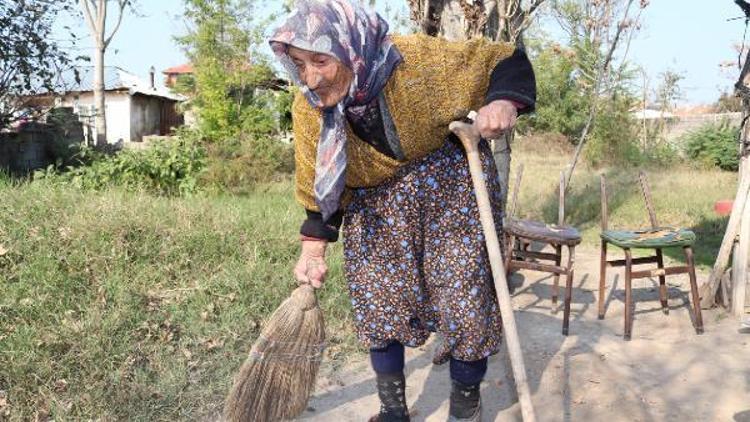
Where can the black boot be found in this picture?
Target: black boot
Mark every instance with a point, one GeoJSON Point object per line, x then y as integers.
{"type": "Point", "coordinates": [392, 393]}
{"type": "Point", "coordinates": [465, 404]}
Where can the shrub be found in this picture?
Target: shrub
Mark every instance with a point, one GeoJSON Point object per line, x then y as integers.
{"type": "Point", "coordinates": [170, 167]}
{"type": "Point", "coordinates": [613, 138]}
{"type": "Point", "coordinates": [714, 145]}
{"type": "Point", "coordinates": [239, 165]}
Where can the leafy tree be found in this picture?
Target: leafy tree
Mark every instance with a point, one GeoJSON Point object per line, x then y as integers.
{"type": "Point", "coordinates": [229, 70]}
{"type": "Point", "coordinates": [598, 29]}
{"type": "Point", "coordinates": [561, 107]}
{"type": "Point", "coordinates": [30, 59]}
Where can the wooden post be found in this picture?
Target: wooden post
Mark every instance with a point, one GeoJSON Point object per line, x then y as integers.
{"type": "Point", "coordinates": [708, 290]}
{"type": "Point", "coordinates": [739, 277]}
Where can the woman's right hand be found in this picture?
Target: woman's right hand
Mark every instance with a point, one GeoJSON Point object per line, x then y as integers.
{"type": "Point", "coordinates": [311, 266]}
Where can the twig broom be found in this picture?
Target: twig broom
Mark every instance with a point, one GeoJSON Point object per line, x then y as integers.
{"type": "Point", "coordinates": [277, 378]}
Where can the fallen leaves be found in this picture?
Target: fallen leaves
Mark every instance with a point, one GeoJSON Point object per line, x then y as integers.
{"type": "Point", "coordinates": [212, 343]}
{"type": "Point", "coordinates": [61, 385]}
{"type": "Point", "coordinates": [4, 407]}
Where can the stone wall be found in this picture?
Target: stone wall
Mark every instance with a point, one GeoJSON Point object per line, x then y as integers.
{"type": "Point", "coordinates": [36, 145]}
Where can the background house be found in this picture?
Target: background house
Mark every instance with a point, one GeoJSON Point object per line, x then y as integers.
{"type": "Point", "coordinates": [171, 74]}
{"type": "Point", "coordinates": [134, 108]}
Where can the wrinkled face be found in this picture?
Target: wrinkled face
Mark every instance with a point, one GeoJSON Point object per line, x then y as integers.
{"type": "Point", "coordinates": [323, 74]}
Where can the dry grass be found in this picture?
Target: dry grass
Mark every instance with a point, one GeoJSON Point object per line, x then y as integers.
{"type": "Point", "coordinates": [683, 196]}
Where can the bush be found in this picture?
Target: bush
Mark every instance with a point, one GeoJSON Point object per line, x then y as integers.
{"type": "Point", "coordinates": [239, 165]}
{"type": "Point", "coordinates": [714, 145]}
{"type": "Point", "coordinates": [170, 167]}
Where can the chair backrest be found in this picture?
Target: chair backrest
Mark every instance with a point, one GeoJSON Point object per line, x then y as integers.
{"type": "Point", "coordinates": [645, 189]}
{"type": "Point", "coordinates": [647, 197]}
{"type": "Point", "coordinates": [517, 186]}
{"type": "Point", "coordinates": [561, 205]}
{"type": "Point", "coordinates": [603, 189]}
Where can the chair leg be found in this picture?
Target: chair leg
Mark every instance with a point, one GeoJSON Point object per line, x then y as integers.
{"type": "Point", "coordinates": [568, 288]}
{"type": "Point", "coordinates": [509, 254]}
{"type": "Point", "coordinates": [662, 283]}
{"type": "Point", "coordinates": [694, 290]}
{"type": "Point", "coordinates": [628, 295]}
{"type": "Point", "coordinates": [556, 283]}
{"type": "Point", "coordinates": [602, 278]}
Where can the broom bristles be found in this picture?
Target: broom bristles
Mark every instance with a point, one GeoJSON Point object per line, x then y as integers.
{"type": "Point", "coordinates": [278, 377]}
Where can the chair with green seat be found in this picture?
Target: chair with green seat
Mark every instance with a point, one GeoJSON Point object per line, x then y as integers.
{"type": "Point", "coordinates": [656, 238]}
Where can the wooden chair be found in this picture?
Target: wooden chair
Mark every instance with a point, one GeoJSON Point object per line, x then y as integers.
{"type": "Point", "coordinates": [519, 234]}
{"type": "Point", "coordinates": [656, 238]}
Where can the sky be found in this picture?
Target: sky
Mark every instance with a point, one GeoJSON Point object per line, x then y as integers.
{"type": "Point", "coordinates": [685, 36]}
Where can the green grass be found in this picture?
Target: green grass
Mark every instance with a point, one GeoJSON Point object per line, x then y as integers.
{"type": "Point", "coordinates": [126, 306]}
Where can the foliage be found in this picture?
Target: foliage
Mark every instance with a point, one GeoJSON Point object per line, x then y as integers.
{"type": "Point", "coordinates": [728, 103]}
{"type": "Point", "coordinates": [565, 98]}
{"type": "Point", "coordinates": [171, 167]}
{"type": "Point", "coordinates": [613, 138]}
{"type": "Point", "coordinates": [30, 57]}
{"type": "Point", "coordinates": [669, 92]}
{"type": "Point", "coordinates": [714, 145]}
{"type": "Point", "coordinates": [241, 165]}
{"type": "Point", "coordinates": [231, 77]}
{"type": "Point", "coordinates": [561, 107]}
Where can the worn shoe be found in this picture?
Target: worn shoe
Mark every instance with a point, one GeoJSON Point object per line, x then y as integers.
{"type": "Point", "coordinates": [392, 394]}
{"type": "Point", "coordinates": [465, 403]}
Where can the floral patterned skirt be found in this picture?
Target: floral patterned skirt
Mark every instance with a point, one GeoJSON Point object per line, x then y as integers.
{"type": "Point", "coordinates": [415, 258]}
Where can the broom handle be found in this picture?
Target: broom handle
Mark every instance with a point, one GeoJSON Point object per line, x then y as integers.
{"type": "Point", "coordinates": [469, 137]}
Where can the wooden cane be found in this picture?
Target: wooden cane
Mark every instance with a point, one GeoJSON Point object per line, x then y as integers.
{"type": "Point", "coordinates": [469, 136]}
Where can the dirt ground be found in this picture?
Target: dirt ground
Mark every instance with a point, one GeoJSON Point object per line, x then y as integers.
{"type": "Point", "coordinates": [665, 373]}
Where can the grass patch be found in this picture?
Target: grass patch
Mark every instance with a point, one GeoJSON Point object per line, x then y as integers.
{"type": "Point", "coordinates": [682, 196]}
{"type": "Point", "coordinates": [125, 306]}
{"type": "Point", "coordinates": [121, 305]}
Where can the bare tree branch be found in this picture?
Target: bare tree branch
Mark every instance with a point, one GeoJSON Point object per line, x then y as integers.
{"type": "Point", "coordinates": [87, 15]}
{"type": "Point", "coordinates": [122, 4]}
{"type": "Point", "coordinates": [597, 86]}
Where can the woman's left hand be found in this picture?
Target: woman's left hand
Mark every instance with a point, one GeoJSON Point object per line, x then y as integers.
{"type": "Point", "coordinates": [495, 118]}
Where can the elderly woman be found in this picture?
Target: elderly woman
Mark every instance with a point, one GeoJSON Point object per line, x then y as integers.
{"type": "Point", "coordinates": [373, 149]}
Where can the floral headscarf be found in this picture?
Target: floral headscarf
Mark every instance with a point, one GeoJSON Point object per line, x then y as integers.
{"type": "Point", "coordinates": [358, 38]}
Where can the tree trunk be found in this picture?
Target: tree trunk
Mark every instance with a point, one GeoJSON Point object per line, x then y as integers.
{"type": "Point", "coordinates": [99, 103]}
{"type": "Point", "coordinates": [95, 15]}
{"type": "Point", "coordinates": [739, 277]}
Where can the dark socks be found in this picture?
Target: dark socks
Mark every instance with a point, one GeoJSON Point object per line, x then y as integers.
{"type": "Point", "coordinates": [388, 363]}
{"type": "Point", "coordinates": [389, 359]}
{"type": "Point", "coordinates": [468, 372]}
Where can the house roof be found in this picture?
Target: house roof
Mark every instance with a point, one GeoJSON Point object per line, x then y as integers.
{"type": "Point", "coordinates": [181, 69]}
{"type": "Point", "coordinates": [115, 79]}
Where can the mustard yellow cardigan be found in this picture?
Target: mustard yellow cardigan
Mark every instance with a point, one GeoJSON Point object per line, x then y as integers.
{"type": "Point", "coordinates": [439, 81]}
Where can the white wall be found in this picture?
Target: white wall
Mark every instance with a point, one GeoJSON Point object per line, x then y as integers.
{"type": "Point", "coordinates": [117, 108]}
